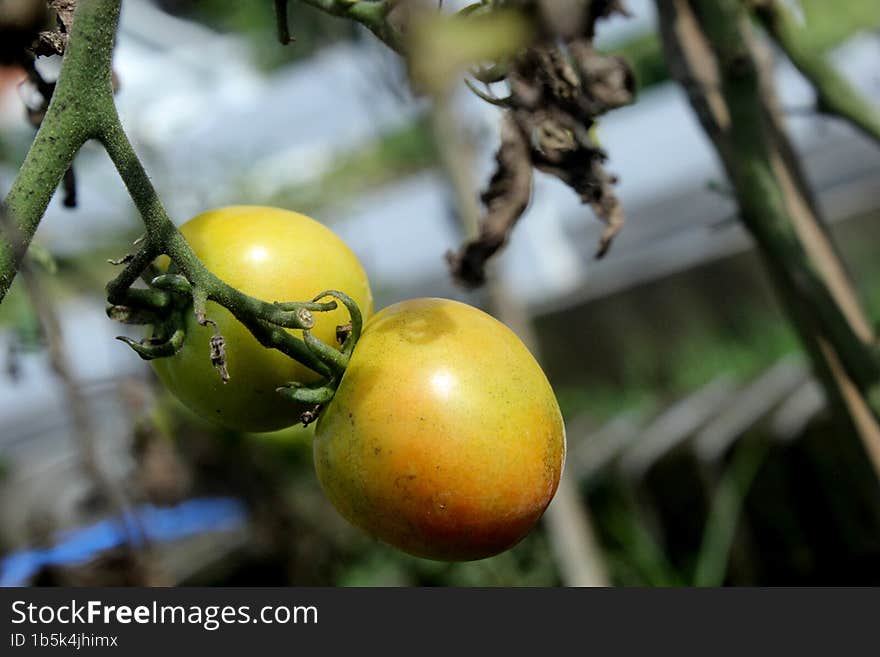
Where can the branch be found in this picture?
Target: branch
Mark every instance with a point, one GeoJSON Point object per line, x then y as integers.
{"type": "Point", "coordinates": [83, 108]}
{"type": "Point", "coordinates": [260, 317]}
{"type": "Point", "coordinates": [69, 122]}
{"type": "Point", "coordinates": [835, 95]}
{"type": "Point", "coordinates": [710, 49]}
{"type": "Point", "coordinates": [753, 171]}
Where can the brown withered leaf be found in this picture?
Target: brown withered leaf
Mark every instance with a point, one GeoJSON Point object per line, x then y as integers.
{"type": "Point", "coordinates": [559, 86]}
{"type": "Point", "coordinates": [506, 198]}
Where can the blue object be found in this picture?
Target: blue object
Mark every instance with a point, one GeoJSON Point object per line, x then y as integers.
{"type": "Point", "coordinates": [146, 523]}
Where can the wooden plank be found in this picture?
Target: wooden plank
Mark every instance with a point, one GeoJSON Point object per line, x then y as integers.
{"type": "Point", "coordinates": [675, 426]}
{"type": "Point", "coordinates": [749, 406]}
{"type": "Point", "coordinates": [792, 417]}
{"type": "Point", "coordinates": [588, 456]}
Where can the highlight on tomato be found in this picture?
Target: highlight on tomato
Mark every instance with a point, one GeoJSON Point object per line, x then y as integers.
{"type": "Point", "coordinates": [274, 255]}
{"type": "Point", "coordinates": [444, 438]}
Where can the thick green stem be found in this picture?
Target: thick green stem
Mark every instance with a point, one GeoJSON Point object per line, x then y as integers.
{"type": "Point", "coordinates": [69, 122]}
{"type": "Point", "coordinates": [711, 51]}
{"type": "Point", "coordinates": [257, 315]}
{"type": "Point", "coordinates": [752, 167]}
{"type": "Point", "coordinates": [835, 94]}
{"type": "Point", "coordinates": [82, 108]}
{"type": "Point", "coordinates": [160, 228]}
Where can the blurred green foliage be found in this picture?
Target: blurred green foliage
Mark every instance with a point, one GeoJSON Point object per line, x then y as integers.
{"type": "Point", "coordinates": [698, 359]}
{"type": "Point", "coordinates": [645, 57]}
{"type": "Point", "coordinates": [830, 23]}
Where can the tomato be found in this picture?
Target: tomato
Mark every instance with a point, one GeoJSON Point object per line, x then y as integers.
{"type": "Point", "coordinates": [444, 438]}
{"type": "Point", "coordinates": [274, 255]}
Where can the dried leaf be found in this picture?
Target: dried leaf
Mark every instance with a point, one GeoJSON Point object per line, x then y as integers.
{"type": "Point", "coordinates": [505, 199]}
{"type": "Point", "coordinates": [559, 86]}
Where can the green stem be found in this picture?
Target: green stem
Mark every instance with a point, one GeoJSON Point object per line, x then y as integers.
{"type": "Point", "coordinates": [82, 93]}
{"type": "Point", "coordinates": [333, 358]}
{"type": "Point", "coordinates": [255, 314]}
{"type": "Point", "coordinates": [725, 513]}
{"type": "Point", "coordinates": [762, 200]}
{"type": "Point", "coordinates": [282, 22]}
{"type": "Point", "coordinates": [145, 298]}
{"type": "Point", "coordinates": [710, 41]}
{"type": "Point", "coordinates": [117, 288]}
{"type": "Point", "coordinates": [835, 94]}
{"type": "Point", "coordinates": [162, 350]}
{"type": "Point", "coordinates": [321, 394]}
{"type": "Point", "coordinates": [355, 318]}
{"type": "Point", "coordinates": [82, 108]}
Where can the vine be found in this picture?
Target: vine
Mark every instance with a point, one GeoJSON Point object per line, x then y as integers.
{"type": "Point", "coordinates": [559, 85]}
{"type": "Point", "coordinates": [81, 108]}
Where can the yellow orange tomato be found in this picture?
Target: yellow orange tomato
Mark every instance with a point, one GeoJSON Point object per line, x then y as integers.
{"type": "Point", "coordinates": [274, 255]}
{"type": "Point", "coordinates": [444, 438]}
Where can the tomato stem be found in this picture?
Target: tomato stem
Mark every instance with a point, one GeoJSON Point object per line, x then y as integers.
{"type": "Point", "coordinates": [335, 359]}
{"type": "Point", "coordinates": [355, 326]}
{"type": "Point", "coordinates": [161, 350]}
{"type": "Point", "coordinates": [317, 395]}
{"type": "Point", "coordinates": [82, 108]}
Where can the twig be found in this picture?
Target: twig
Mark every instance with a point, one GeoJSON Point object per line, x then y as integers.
{"type": "Point", "coordinates": [835, 94]}
{"type": "Point", "coordinates": [709, 47]}
{"type": "Point", "coordinates": [282, 22]}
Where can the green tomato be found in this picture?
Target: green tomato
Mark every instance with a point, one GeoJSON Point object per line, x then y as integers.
{"type": "Point", "coordinates": [274, 255]}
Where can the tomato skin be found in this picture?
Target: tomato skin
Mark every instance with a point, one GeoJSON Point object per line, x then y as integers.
{"type": "Point", "coordinates": [273, 255]}
{"type": "Point", "coordinates": [444, 438]}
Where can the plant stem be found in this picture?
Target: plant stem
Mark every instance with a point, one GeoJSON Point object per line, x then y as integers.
{"type": "Point", "coordinates": [711, 51]}
{"type": "Point", "coordinates": [760, 193]}
{"type": "Point", "coordinates": [163, 237]}
{"type": "Point", "coordinates": [82, 108]}
{"type": "Point", "coordinates": [72, 118]}
{"type": "Point", "coordinates": [835, 94]}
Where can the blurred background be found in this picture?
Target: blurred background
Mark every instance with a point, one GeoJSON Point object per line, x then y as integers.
{"type": "Point", "coordinates": [700, 450]}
